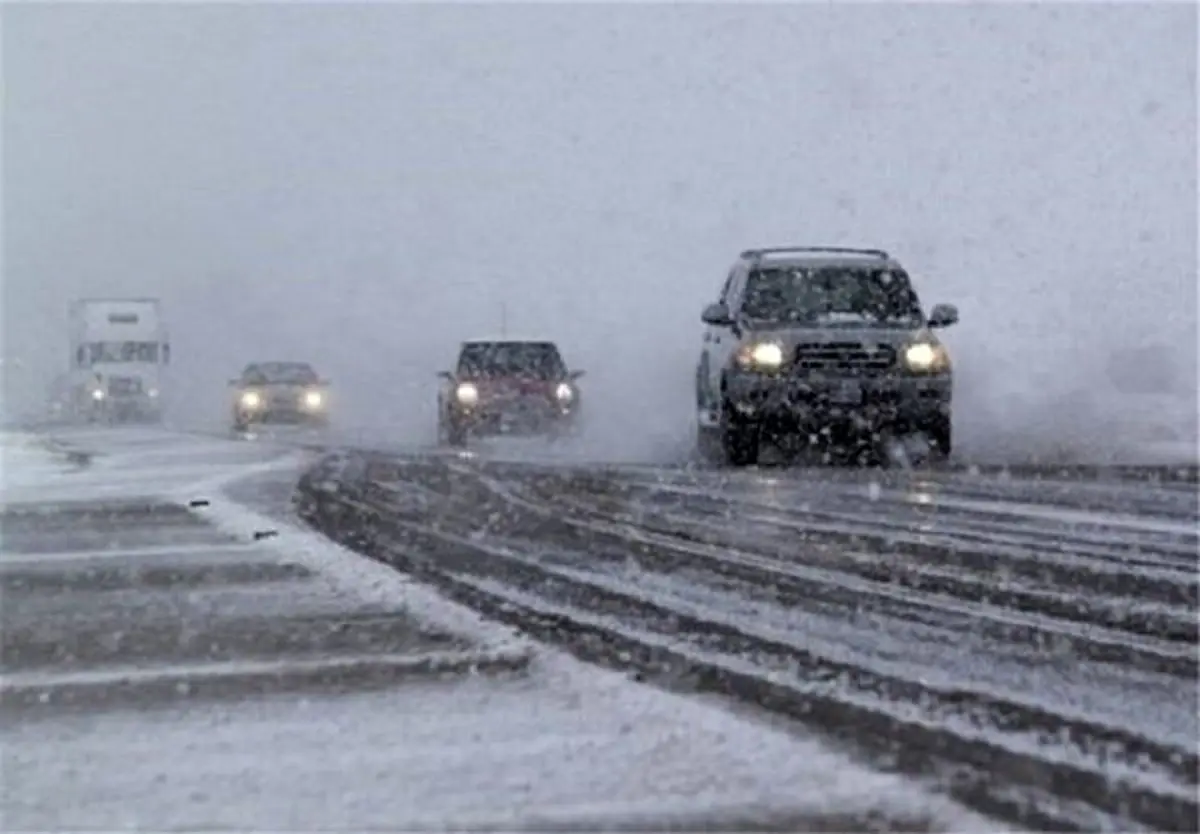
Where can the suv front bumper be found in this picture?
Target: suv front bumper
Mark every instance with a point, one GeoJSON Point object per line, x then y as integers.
{"type": "Point", "coordinates": [815, 403]}
{"type": "Point", "coordinates": [513, 417]}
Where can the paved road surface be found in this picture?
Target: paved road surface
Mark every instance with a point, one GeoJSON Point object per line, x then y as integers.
{"type": "Point", "coordinates": [1027, 639]}
{"type": "Point", "coordinates": [162, 668]}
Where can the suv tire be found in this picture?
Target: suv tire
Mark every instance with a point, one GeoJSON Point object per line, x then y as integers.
{"type": "Point", "coordinates": [456, 435]}
{"type": "Point", "coordinates": [942, 436]}
{"type": "Point", "coordinates": [739, 440]}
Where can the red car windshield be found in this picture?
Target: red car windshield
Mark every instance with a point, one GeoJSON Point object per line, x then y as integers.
{"type": "Point", "coordinates": [536, 360]}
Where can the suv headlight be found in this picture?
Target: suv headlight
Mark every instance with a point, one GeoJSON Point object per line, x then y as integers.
{"type": "Point", "coordinates": [251, 399]}
{"type": "Point", "coordinates": [467, 394]}
{"type": "Point", "coordinates": [313, 399]}
{"type": "Point", "coordinates": [926, 357]}
{"type": "Point", "coordinates": [563, 393]}
{"type": "Point", "coordinates": [766, 356]}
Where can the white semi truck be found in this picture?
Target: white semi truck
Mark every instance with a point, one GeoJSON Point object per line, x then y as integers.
{"type": "Point", "coordinates": [120, 351]}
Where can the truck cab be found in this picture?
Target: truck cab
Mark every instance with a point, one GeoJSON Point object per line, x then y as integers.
{"type": "Point", "coordinates": [119, 353]}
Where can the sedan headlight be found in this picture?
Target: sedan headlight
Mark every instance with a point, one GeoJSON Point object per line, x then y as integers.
{"type": "Point", "coordinates": [926, 356]}
{"type": "Point", "coordinates": [313, 399]}
{"type": "Point", "coordinates": [467, 394]}
{"type": "Point", "coordinates": [251, 399]}
{"type": "Point", "coordinates": [764, 356]}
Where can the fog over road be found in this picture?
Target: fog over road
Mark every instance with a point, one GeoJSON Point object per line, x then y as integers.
{"type": "Point", "coordinates": [352, 628]}
{"type": "Point", "coordinates": [362, 187]}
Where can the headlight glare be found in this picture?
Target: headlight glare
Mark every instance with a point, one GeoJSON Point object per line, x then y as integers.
{"type": "Point", "coordinates": [313, 399]}
{"type": "Point", "coordinates": [564, 393]}
{"type": "Point", "coordinates": [765, 355]}
{"type": "Point", "coordinates": [467, 394]}
{"type": "Point", "coordinates": [97, 394]}
{"type": "Point", "coordinates": [251, 399]}
{"type": "Point", "coordinates": [925, 357]}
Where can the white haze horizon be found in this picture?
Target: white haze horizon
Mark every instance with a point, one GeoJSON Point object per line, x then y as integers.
{"type": "Point", "coordinates": [363, 186]}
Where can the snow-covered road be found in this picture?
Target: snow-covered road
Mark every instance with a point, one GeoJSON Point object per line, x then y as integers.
{"type": "Point", "coordinates": [168, 666]}
{"type": "Point", "coordinates": [1028, 637]}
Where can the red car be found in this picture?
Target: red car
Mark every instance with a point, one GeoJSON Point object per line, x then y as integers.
{"type": "Point", "coordinates": [507, 387]}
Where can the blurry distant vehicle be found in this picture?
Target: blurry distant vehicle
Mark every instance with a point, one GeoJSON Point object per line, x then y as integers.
{"type": "Point", "coordinates": [821, 345]}
{"type": "Point", "coordinates": [508, 386]}
{"type": "Point", "coordinates": [119, 355]}
{"type": "Point", "coordinates": [279, 392]}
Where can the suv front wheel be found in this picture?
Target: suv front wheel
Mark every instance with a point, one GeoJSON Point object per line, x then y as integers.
{"type": "Point", "coordinates": [453, 433]}
{"type": "Point", "coordinates": [739, 438]}
{"type": "Point", "coordinates": [940, 438]}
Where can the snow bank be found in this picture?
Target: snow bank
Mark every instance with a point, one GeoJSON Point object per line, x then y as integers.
{"type": "Point", "coordinates": [124, 463]}
{"type": "Point", "coordinates": [370, 580]}
{"type": "Point", "coordinates": [26, 460]}
{"type": "Point", "coordinates": [571, 745]}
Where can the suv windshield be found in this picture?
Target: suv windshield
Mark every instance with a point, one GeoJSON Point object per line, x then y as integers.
{"type": "Point", "coordinates": [536, 359]}
{"type": "Point", "coordinates": [831, 295]}
{"type": "Point", "coordinates": [283, 372]}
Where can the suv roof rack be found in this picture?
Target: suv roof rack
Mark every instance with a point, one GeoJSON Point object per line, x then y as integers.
{"type": "Point", "coordinates": [756, 254]}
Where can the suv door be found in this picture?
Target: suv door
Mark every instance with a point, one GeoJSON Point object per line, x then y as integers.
{"type": "Point", "coordinates": [719, 343]}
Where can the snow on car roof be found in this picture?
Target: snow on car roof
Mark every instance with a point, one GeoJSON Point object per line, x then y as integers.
{"type": "Point", "coordinates": [827, 259]}
{"type": "Point", "coordinates": [511, 340]}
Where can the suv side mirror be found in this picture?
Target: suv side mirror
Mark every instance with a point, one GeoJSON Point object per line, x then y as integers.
{"type": "Point", "coordinates": [233, 382]}
{"type": "Point", "coordinates": [717, 315]}
{"type": "Point", "coordinates": [446, 375]}
{"type": "Point", "coordinates": [942, 315]}
{"type": "Point", "coordinates": [574, 375]}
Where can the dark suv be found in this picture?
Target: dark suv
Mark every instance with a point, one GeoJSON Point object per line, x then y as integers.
{"type": "Point", "coordinates": [821, 345]}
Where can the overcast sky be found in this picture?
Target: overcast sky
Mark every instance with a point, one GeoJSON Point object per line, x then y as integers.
{"type": "Point", "coordinates": [363, 186]}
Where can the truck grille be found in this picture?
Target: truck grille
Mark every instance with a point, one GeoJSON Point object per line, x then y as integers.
{"type": "Point", "coordinates": [844, 358]}
{"type": "Point", "coordinates": [124, 386]}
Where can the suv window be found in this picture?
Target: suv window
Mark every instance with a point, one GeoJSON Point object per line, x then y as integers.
{"type": "Point", "coordinates": [831, 295]}
{"type": "Point", "coordinates": [727, 286]}
{"type": "Point", "coordinates": [536, 359]}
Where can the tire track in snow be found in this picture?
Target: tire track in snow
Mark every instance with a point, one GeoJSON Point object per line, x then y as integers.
{"type": "Point", "coordinates": [476, 516]}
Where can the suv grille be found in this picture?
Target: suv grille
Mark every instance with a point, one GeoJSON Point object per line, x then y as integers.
{"type": "Point", "coordinates": [844, 357]}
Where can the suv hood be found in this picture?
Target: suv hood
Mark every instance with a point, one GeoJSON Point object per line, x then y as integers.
{"type": "Point", "coordinates": [512, 384]}
{"type": "Point", "coordinates": [789, 335]}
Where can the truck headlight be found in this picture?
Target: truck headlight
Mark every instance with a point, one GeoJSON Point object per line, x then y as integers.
{"type": "Point", "coordinates": [764, 355]}
{"type": "Point", "coordinates": [563, 393]}
{"type": "Point", "coordinates": [251, 399]}
{"type": "Point", "coordinates": [467, 394]}
{"type": "Point", "coordinates": [924, 356]}
{"type": "Point", "coordinates": [313, 399]}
